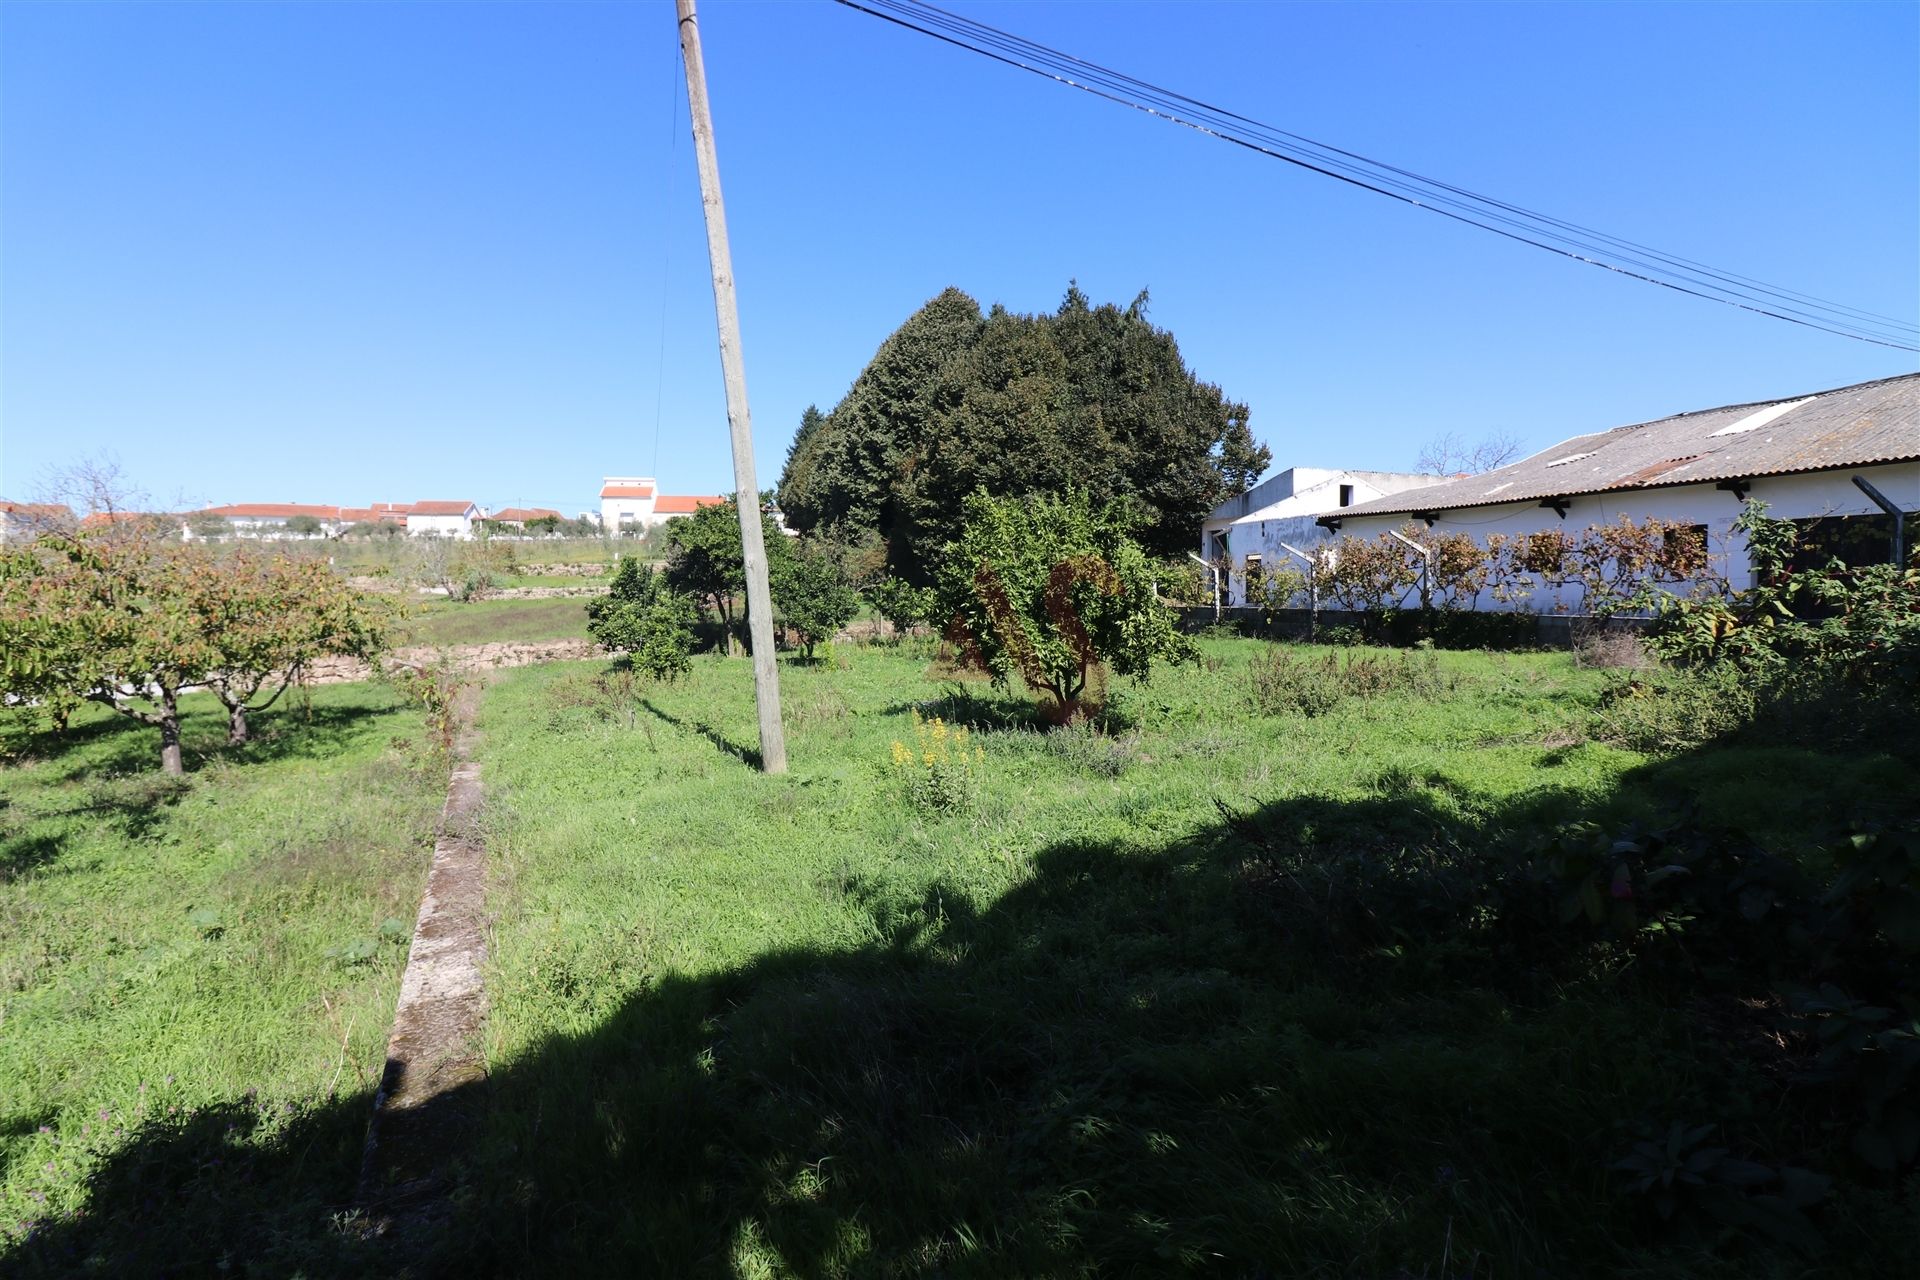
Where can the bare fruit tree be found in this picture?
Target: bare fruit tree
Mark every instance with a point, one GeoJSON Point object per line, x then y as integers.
{"type": "Point", "coordinates": [1450, 454]}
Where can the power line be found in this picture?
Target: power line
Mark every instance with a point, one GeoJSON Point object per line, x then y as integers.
{"type": "Point", "coordinates": [1558, 236]}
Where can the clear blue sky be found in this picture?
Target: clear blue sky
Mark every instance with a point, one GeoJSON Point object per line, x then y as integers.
{"type": "Point", "coordinates": [353, 252]}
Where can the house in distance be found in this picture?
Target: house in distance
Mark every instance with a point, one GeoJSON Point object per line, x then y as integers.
{"type": "Point", "coordinates": [634, 504]}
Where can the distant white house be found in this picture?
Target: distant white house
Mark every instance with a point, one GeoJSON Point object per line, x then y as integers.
{"type": "Point", "coordinates": [626, 502]}
{"type": "Point", "coordinates": [1802, 456]}
{"type": "Point", "coordinates": [272, 519]}
{"type": "Point", "coordinates": [518, 517]}
{"type": "Point", "coordinates": [442, 519]}
{"type": "Point", "coordinates": [24, 521]}
{"type": "Point", "coordinates": [1253, 530]}
{"type": "Point", "coordinates": [634, 504]}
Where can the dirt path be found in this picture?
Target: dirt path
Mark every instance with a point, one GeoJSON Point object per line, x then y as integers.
{"type": "Point", "coordinates": [433, 1088]}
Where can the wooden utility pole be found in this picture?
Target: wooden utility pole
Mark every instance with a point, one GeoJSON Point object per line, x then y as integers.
{"type": "Point", "coordinates": [766, 676]}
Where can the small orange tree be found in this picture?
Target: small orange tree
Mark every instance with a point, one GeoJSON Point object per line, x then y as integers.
{"type": "Point", "coordinates": [1053, 590]}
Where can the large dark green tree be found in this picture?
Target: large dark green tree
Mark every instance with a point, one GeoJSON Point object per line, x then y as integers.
{"type": "Point", "coordinates": [1089, 397]}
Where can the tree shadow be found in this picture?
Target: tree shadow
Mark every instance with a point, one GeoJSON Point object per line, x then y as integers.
{"type": "Point", "coordinates": [20, 855]}
{"type": "Point", "coordinates": [745, 754]}
{"type": "Point", "coordinates": [285, 731]}
{"type": "Point", "coordinates": [1276, 1045]}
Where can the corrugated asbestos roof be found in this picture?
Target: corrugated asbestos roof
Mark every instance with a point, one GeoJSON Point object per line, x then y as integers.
{"type": "Point", "coordinates": [1847, 427]}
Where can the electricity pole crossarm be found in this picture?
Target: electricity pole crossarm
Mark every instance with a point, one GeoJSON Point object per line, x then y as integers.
{"type": "Point", "coordinates": [766, 676]}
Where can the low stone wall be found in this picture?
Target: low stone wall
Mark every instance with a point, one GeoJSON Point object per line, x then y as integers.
{"type": "Point", "coordinates": [473, 657]}
{"type": "Point", "coordinates": [564, 570]}
{"type": "Point", "coordinates": [542, 593]}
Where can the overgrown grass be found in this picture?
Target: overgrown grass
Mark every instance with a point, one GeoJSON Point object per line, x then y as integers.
{"type": "Point", "coordinates": [1098, 1019]}
{"type": "Point", "coordinates": [216, 953]}
{"type": "Point", "coordinates": [496, 621]}
{"type": "Point", "coordinates": [1201, 992]}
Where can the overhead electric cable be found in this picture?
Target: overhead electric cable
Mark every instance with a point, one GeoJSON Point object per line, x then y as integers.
{"type": "Point", "coordinates": [1513, 222]}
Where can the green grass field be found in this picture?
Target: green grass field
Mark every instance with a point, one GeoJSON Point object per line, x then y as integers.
{"type": "Point", "coordinates": [495, 621]}
{"type": "Point", "coordinates": [1167, 1000]}
{"type": "Point", "coordinates": [1080, 1023]}
{"type": "Point", "coordinates": [192, 969]}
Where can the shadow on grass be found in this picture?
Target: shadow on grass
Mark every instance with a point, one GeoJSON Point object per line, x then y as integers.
{"type": "Point", "coordinates": [746, 755]}
{"type": "Point", "coordinates": [22, 854]}
{"type": "Point", "coordinates": [120, 747]}
{"type": "Point", "coordinates": [1278, 1047]}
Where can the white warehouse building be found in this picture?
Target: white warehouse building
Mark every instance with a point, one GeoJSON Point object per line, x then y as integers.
{"type": "Point", "coordinates": [1834, 461]}
{"type": "Point", "coordinates": [1255, 529]}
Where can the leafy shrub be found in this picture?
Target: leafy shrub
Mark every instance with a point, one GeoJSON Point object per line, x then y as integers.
{"type": "Point", "coordinates": [476, 584]}
{"type": "Point", "coordinates": [1663, 711]}
{"type": "Point", "coordinates": [938, 772]}
{"type": "Point", "coordinates": [1679, 1175]}
{"type": "Point", "coordinates": [646, 620]}
{"type": "Point", "coordinates": [1861, 625]}
{"type": "Point", "coordinates": [902, 604]}
{"type": "Point", "coordinates": [434, 687]}
{"type": "Point", "coordinates": [814, 595]}
{"type": "Point", "coordinates": [1054, 591]}
{"type": "Point", "coordinates": [1816, 648]}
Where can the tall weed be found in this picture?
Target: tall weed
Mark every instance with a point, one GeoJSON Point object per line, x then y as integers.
{"type": "Point", "coordinates": [1283, 684]}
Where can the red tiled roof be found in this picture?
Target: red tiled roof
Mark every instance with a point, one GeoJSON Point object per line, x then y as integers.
{"type": "Point", "coordinates": [439, 508]}
{"type": "Point", "coordinates": [101, 518]}
{"type": "Point", "coordinates": [272, 511]}
{"type": "Point", "coordinates": [626, 491]}
{"type": "Point", "coordinates": [370, 515]}
{"type": "Point", "coordinates": [524, 514]}
{"type": "Point", "coordinates": [682, 505]}
{"type": "Point", "coordinates": [37, 510]}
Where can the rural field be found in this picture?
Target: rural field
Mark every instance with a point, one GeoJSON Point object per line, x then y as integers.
{"type": "Point", "coordinates": [1237, 982]}
{"type": "Point", "coordinates": [1211, 991]}
{"type": "Point", "coordinates": [193, 968]}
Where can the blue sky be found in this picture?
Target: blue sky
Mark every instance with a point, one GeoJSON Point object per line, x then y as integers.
{"type": "Point", "coordinates": [355, 252]}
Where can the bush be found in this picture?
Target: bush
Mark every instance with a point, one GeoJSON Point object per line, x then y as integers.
{"type": "Point", "coordinates": [646, 620]}
{"type": "Point", "coordinates": [1600, 644]}
{"type": "Point", "coordinates": [1672, 710]}
{"type": "Point", "coordinates": [1283, 684]}
{"type": "Point", "coordinates": [1054, 591]}
{"type": "Point", "coordinates": [902, 604]}
{"type": "Point", "coordinates": [1820, 650]}
{"type": "Point", "coordinates": [814, 595]}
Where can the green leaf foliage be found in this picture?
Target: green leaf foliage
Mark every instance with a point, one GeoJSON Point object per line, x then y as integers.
{"type": "Point", "coordinates": [813, 594]}
{"type": "Point", "coordinates": [901, 603]}
{"type": "Point", "coordinates": [644, 618]}
{"type": "Point", "coordinates": [704, 559]}
{"type": "Point", "coordinates": [1089, 397]}
{"type": "Point", "coordinates": [1053, 590]}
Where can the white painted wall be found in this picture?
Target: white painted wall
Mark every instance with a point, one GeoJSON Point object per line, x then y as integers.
{"type": "Point", "coordinates": [1285, 509]}
{"type": "Point", "coordinates": [636, 513]}
{"type": "Point", "coordinates": [1803, 496]}
{"type": "Point", "coordinates": [460, 526]}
